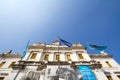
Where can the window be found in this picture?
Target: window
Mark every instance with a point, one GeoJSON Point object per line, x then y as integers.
{"type": "Point", "coordinates": [118, 76]}
{"type": "Point", "coordinates": [10, 66]}
{"type": "Point", "coordinates": [46, 57]}
{"type": "Point", "coordinates": [68, 57]}
{"type": "Point", "coordinates": [108, 64]}
{"type": "Point", "coordinates": [1, 78]}
{"type": "Point", "coordinates": [117, 72]}
{"type": "Point", "coordinates": [109, 78]}
{"type": "Point", "coordinates": [2, 64]}
{"type": "Point", "coordinates": [57, 57]}
{"type": "Point", "coordinates": [80, 56]}
{"type": "Point", "coordinates": [4, 74]}
{"type": "Point", "coordinates": [99, 63]}
{"type": "Point", "coordinates": [33, 55]}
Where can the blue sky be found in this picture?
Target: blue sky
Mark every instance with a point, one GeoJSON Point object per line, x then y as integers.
{"type": "Point", "coordinates": [93, 21]}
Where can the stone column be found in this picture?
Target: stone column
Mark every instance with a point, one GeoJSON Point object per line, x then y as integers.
{"type": "Point", "coordinates": [51, 56]}
{"type": "Point", "coordinates": [62, 56]}
{"type": "Point", "coordinates": [74, 56]}
{"type": "Point", "coordinates": [38, 57]}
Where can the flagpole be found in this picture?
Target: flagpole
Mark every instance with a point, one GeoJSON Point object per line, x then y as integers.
{"type": "Point", "coordinates": [23, 55]}
{"type": "Point", "coordinates": [58, 38]}
{"type": "Point", "coordinates": [58, 45]}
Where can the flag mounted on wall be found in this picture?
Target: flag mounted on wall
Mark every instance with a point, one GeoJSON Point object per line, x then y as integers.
{"type": "Point", "coordinates": [101, 48]}
{"type": "Point", "coordinates": [25, 51]}
{"type": "Point", "coordinates": [61, 41]}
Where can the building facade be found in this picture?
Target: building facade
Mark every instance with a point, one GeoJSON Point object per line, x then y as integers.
{"type": "Point", "coordinates": [58, 62]}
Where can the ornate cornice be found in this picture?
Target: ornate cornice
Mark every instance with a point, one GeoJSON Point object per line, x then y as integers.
{"type": "Point", "coordinates": [57, 48]}
{"type": "Point", "coordinates": [100, 56]}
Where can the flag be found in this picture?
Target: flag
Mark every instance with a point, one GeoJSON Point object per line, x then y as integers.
{"type": "Point", "coordinates": [101, 48]}
{"type": "Point", "coordinates": [25, 51]}
{"type": "Point", "coordinates": [65, 43]}
{"type": "Point", "coordinates": [23, 55]}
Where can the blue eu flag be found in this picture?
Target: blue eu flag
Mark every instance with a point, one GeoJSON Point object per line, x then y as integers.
{"type": "Point", "coordinates": [65, 43]}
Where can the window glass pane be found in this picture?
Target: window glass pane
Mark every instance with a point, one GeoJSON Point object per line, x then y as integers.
{"type": "Point", "coordinates": [68, 57]}
{"type": "Point", "coordinates": [80, 56]}
{"type": "Point", "coordinates": [109, 78]}
{"type": "Point", "coordinates": [46, 57]}
{"type": "Point", "coordinates": [57, 57]}
{"type": "Point", "coordinates": [108, 64]}
{"type": "Point", "coordinates": [33, 55]}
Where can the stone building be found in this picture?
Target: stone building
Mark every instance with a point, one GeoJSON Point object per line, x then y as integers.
{"type": "Point", "coordinates": [58, 62]}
